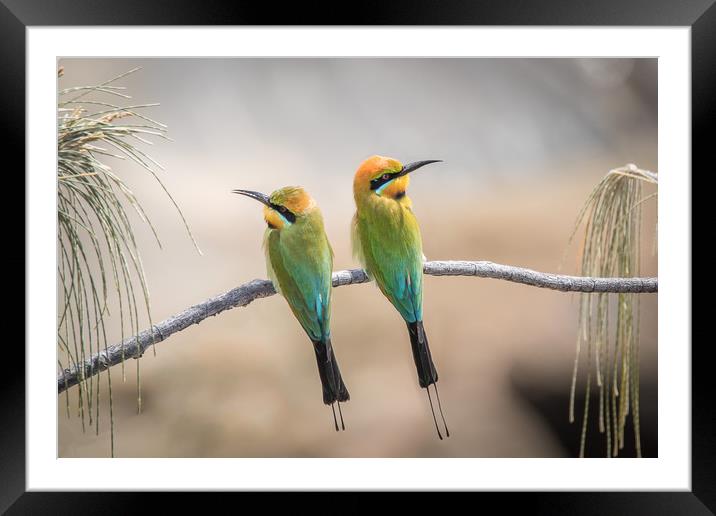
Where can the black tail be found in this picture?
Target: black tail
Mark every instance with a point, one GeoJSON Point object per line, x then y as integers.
{"type": "Point", "coordinates": [427, 374]}
{"type": "Point", "coordinates": [333, 387]}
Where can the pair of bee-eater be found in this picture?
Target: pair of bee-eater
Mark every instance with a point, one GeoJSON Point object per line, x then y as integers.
{"type": "Point", "coordinates": [387, 242]}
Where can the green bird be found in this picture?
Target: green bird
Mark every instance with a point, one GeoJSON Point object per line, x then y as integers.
{"type": "Point", "coordinates": [387, 241]}
{"type": "Point", "coordinates": [299, 261]}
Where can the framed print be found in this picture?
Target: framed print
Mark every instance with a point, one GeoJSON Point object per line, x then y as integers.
{"type": "Point", "coordinates": [229, 194]}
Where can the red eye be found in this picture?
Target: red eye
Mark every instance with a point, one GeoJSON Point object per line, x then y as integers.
{"type": "Point", "coordinates": [283, 209]}
{"type": "Point", "coordinates": [386, 176]}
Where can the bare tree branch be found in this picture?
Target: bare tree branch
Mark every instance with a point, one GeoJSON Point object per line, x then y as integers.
{"type": "Point", "coordinates": [243, 295]}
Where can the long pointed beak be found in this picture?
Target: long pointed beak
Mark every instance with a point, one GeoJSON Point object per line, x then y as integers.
{"type": "Point", "coordinates": [262, 198]}
{"type": "Point", "coordinates": [415, 165]}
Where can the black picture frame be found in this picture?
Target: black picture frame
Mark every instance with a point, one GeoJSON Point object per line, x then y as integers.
{"type": "Point", "coordinates": [17, 15]}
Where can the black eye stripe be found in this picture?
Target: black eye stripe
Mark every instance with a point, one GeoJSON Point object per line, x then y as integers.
{"type": "Point", "coordinates": [380, 181]}
{"type": "Point", "coordinates": [289, 215]}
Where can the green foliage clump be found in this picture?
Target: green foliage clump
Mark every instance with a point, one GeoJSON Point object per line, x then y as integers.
{"type": "Point", "coordinates": [97, 251]}
{"type": "Point", "coordinates": [612, 218]}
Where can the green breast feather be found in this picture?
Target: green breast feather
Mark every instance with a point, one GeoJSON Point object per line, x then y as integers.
{"type": "Point", "coordinates": [387, 242]}
{"type": "Point", "coordinates": [299, 262]}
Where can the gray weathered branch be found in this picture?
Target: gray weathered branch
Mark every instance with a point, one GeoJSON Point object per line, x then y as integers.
{"type": "Point", "coordinates": [243, 295]}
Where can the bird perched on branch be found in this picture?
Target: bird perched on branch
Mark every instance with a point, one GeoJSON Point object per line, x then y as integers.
{"type": "Point", "coordinates": [387, 241]}
{"type": "Point", "coordinates": [299, 261]}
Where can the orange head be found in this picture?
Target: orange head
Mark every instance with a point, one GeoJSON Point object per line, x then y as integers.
{"type": "Point", "coordinates": [284, 206]}
{"type": "Point", "coordinates": [384, 177]}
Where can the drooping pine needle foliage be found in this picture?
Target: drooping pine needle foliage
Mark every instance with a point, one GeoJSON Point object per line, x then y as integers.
{"type": "Point", "coordinates": [98, 255]}
{"type": "Point", "coordinates": [609, 323]}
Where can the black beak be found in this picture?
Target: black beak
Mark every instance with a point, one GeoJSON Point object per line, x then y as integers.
{"type": "Point", "coordinates": [415, 165]}
{"type": "Point", "coordinates": [264, 199]}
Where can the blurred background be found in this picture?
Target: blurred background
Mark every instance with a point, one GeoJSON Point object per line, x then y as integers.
{"type": "Point", "coordinates": [524, 142]}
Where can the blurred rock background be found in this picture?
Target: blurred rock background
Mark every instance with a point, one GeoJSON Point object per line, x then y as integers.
{"type": "Point", "coordinates": [524, 141]}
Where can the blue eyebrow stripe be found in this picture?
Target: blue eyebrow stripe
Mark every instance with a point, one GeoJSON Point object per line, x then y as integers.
{"type": "Point", "coordinates": [285, 220]}
{"type": "Point", "coordinates": [379, 190]}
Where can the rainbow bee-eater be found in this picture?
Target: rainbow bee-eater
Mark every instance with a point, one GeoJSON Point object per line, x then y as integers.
{"type": "Point", "coordinates": [299, 262]}
{"type": "Point", "coordinates": [387, 241]}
